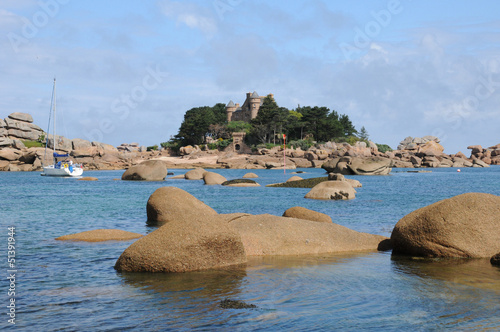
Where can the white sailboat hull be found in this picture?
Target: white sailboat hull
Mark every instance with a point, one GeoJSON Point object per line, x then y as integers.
{"type": "Point", "coordinates": [53, 170]}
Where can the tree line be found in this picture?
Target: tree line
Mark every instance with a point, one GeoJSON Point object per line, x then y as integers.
{"type": "Point", "coordinates": [304, 122]}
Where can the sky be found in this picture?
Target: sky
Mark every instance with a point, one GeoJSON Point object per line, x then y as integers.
{"type": "Point", "coordinates": [127, 71]}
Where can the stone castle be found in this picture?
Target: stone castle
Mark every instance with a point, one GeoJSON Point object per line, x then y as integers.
{"type": "Point", "coordinates": [248, 110]}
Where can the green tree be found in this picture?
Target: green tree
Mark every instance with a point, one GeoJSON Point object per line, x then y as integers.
{"type": "Point", "coordinates": [270, 121]}
{"type": "Point", "coordinates": [363, 134]}
{"type": "Point", "coordinates": [197, 121]}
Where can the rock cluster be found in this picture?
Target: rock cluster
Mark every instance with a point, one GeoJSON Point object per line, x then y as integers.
{"type": "Point", "coordinates": [131, 147]}
{"type": "Point", "coordinates": [358, 166]}
{"type": "Point", "coordinates": [195, 237]}
{"type": "Point", "coordinates": [18, 128]}
{"type": "Point", "coordinates": [483, 157]}
{"type": "Point", "coordinates": [340, 157]}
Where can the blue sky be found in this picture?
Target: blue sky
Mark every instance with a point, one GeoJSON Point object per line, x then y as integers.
{"type": "Point", "coordinates": [128, 71]}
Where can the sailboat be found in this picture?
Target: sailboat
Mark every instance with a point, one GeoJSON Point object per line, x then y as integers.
{"type": "Point", "coordinates": [62, 165]}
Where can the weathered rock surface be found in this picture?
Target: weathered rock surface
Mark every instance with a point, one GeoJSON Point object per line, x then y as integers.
{"type": "Point", "coordinates": [370, 166]}
{"type": "Point", "coordinates": [195, 174]}
{"type": "Point", "coordinates": [271, 235]}
{"type": "Point", "coordinates": [306, 214]}
{"type": "Point", "coordinates": [99, 235]}
{"type": "Point", "coordinates": [241, 183]}
{"type": "Point", "coordinates": [198, 243]}
{"type": "Point", "coordinates": [170, 203]}
{"type": "Point", "coordinates": [88, 178]}
{"type": "Point", "coordinates": [250, 176]}
{"type": "Point", "coordinates": [294, 178]}
{"type": "Point", "coordinates": [465, 226]}
{"type": "Point", "coordinates": [150, 170]}
{"type": "Point", "coordinates": [336, 190]}
{"type": "Point", "coordinates": [212, 178]}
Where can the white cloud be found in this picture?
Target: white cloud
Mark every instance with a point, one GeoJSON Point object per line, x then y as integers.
{"type": "Point", "coordinates": [191, 15]}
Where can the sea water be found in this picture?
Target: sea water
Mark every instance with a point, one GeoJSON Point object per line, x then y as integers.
{"type": "Point", "coordinates": [72, 286]}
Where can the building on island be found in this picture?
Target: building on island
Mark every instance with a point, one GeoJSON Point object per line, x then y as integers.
{"type": "Point", "coordinates": [248, 110]}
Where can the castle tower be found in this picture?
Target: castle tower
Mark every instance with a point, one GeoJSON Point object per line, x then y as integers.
{"type": "Point", "coordinates": [230, 108]}
{"type": "Point", "coordinates": [254, 102]}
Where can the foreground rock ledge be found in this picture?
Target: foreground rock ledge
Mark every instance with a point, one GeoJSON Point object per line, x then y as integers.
{"type": "Point", "coordinates": [201, 243]}
{"type": "Point", "coordinates": [100, 235]}
{"type": "Point", "coordinates": [465, 226]}
{"type": "Point", "coordinates": [195, 237]}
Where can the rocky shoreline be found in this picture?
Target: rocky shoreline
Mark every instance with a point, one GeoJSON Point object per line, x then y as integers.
{"type": "Point", "coordinates": [425, 152]}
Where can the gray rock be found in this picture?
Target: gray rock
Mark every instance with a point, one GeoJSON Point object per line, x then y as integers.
{"type": "Point", "coordinates": [18, 144]}
{"type": "Point", "coordinates": [479, 163]}
{"type": "Point", "coordinates": [5, 142]}
{"type": "Point", "coordinates": [370, 166]}
{"type": "Point", "coordinates": [63, 143]}
{"type": "Point", "coordinates": [21, 117]}
{"type": "Point", "coordinates": [79, 144]}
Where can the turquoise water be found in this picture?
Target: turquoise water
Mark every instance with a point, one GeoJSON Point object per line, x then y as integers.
{"type": "Point", "coordinates": [68, 286]}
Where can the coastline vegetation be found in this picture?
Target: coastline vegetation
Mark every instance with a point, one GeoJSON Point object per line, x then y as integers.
{"type": "Point", "coordinates": [304, 127]}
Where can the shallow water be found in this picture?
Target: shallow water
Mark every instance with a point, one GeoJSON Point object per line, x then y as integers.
{"type": "Point", "coordinates": [70, 286]}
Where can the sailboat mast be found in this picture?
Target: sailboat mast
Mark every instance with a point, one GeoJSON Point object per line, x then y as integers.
{"type": "Point", "coordinates": [54, 109]}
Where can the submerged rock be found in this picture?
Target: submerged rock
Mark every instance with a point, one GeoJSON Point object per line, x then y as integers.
{"type": "Point", "coordinates": [99, 235]}
{"type": "Point", "coordinates": [235, 304]}
{"type": "Point", "coordinates": [88, 178]}
{"type": "Point", "coordinates": [241, 183]}
{"type": "Point", "coordinates": [462, 226]}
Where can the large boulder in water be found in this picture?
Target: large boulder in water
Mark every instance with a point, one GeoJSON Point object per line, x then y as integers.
{"type": "Point", "coordinates": [150, 170]}
{"type": "Point", "coordinates": [465, 226]}
{"type": "Point", "coordinates": [306, 214]}
{"type": "Point", "coordinates": [271, 235]}
{"type": "Point", "coordinates": [336, 190]}
{"type": "Point", "coordinates": [198, 243]}
{"type": "Point", "coordinates": [195, 174]}
{"type": "Point", "coordinates": [370, 166]}
{"type": "Point", "coordinates": [170, 203]}
{"type": "Point", "coordinates": [211, 178]}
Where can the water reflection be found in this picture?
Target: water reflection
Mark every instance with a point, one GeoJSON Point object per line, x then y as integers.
{"type": "Point", "coordinates": [470, 272]}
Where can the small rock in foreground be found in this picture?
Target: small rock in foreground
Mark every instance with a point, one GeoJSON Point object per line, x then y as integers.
{"type": "Point", "coordinates": [235, 304]}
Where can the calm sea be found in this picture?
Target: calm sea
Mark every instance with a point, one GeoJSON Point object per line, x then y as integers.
{"type": "Point", "coordinates": [72, 286]}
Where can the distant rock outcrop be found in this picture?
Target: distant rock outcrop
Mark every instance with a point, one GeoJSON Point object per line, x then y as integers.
{"type": "Point", "coordinates": [462, 226]}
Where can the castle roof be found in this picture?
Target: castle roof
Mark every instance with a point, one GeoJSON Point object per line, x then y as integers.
{"type": "Point", "coordinates": [230, 104]}
{"type": "Point", "coordinates": [255, 95]}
